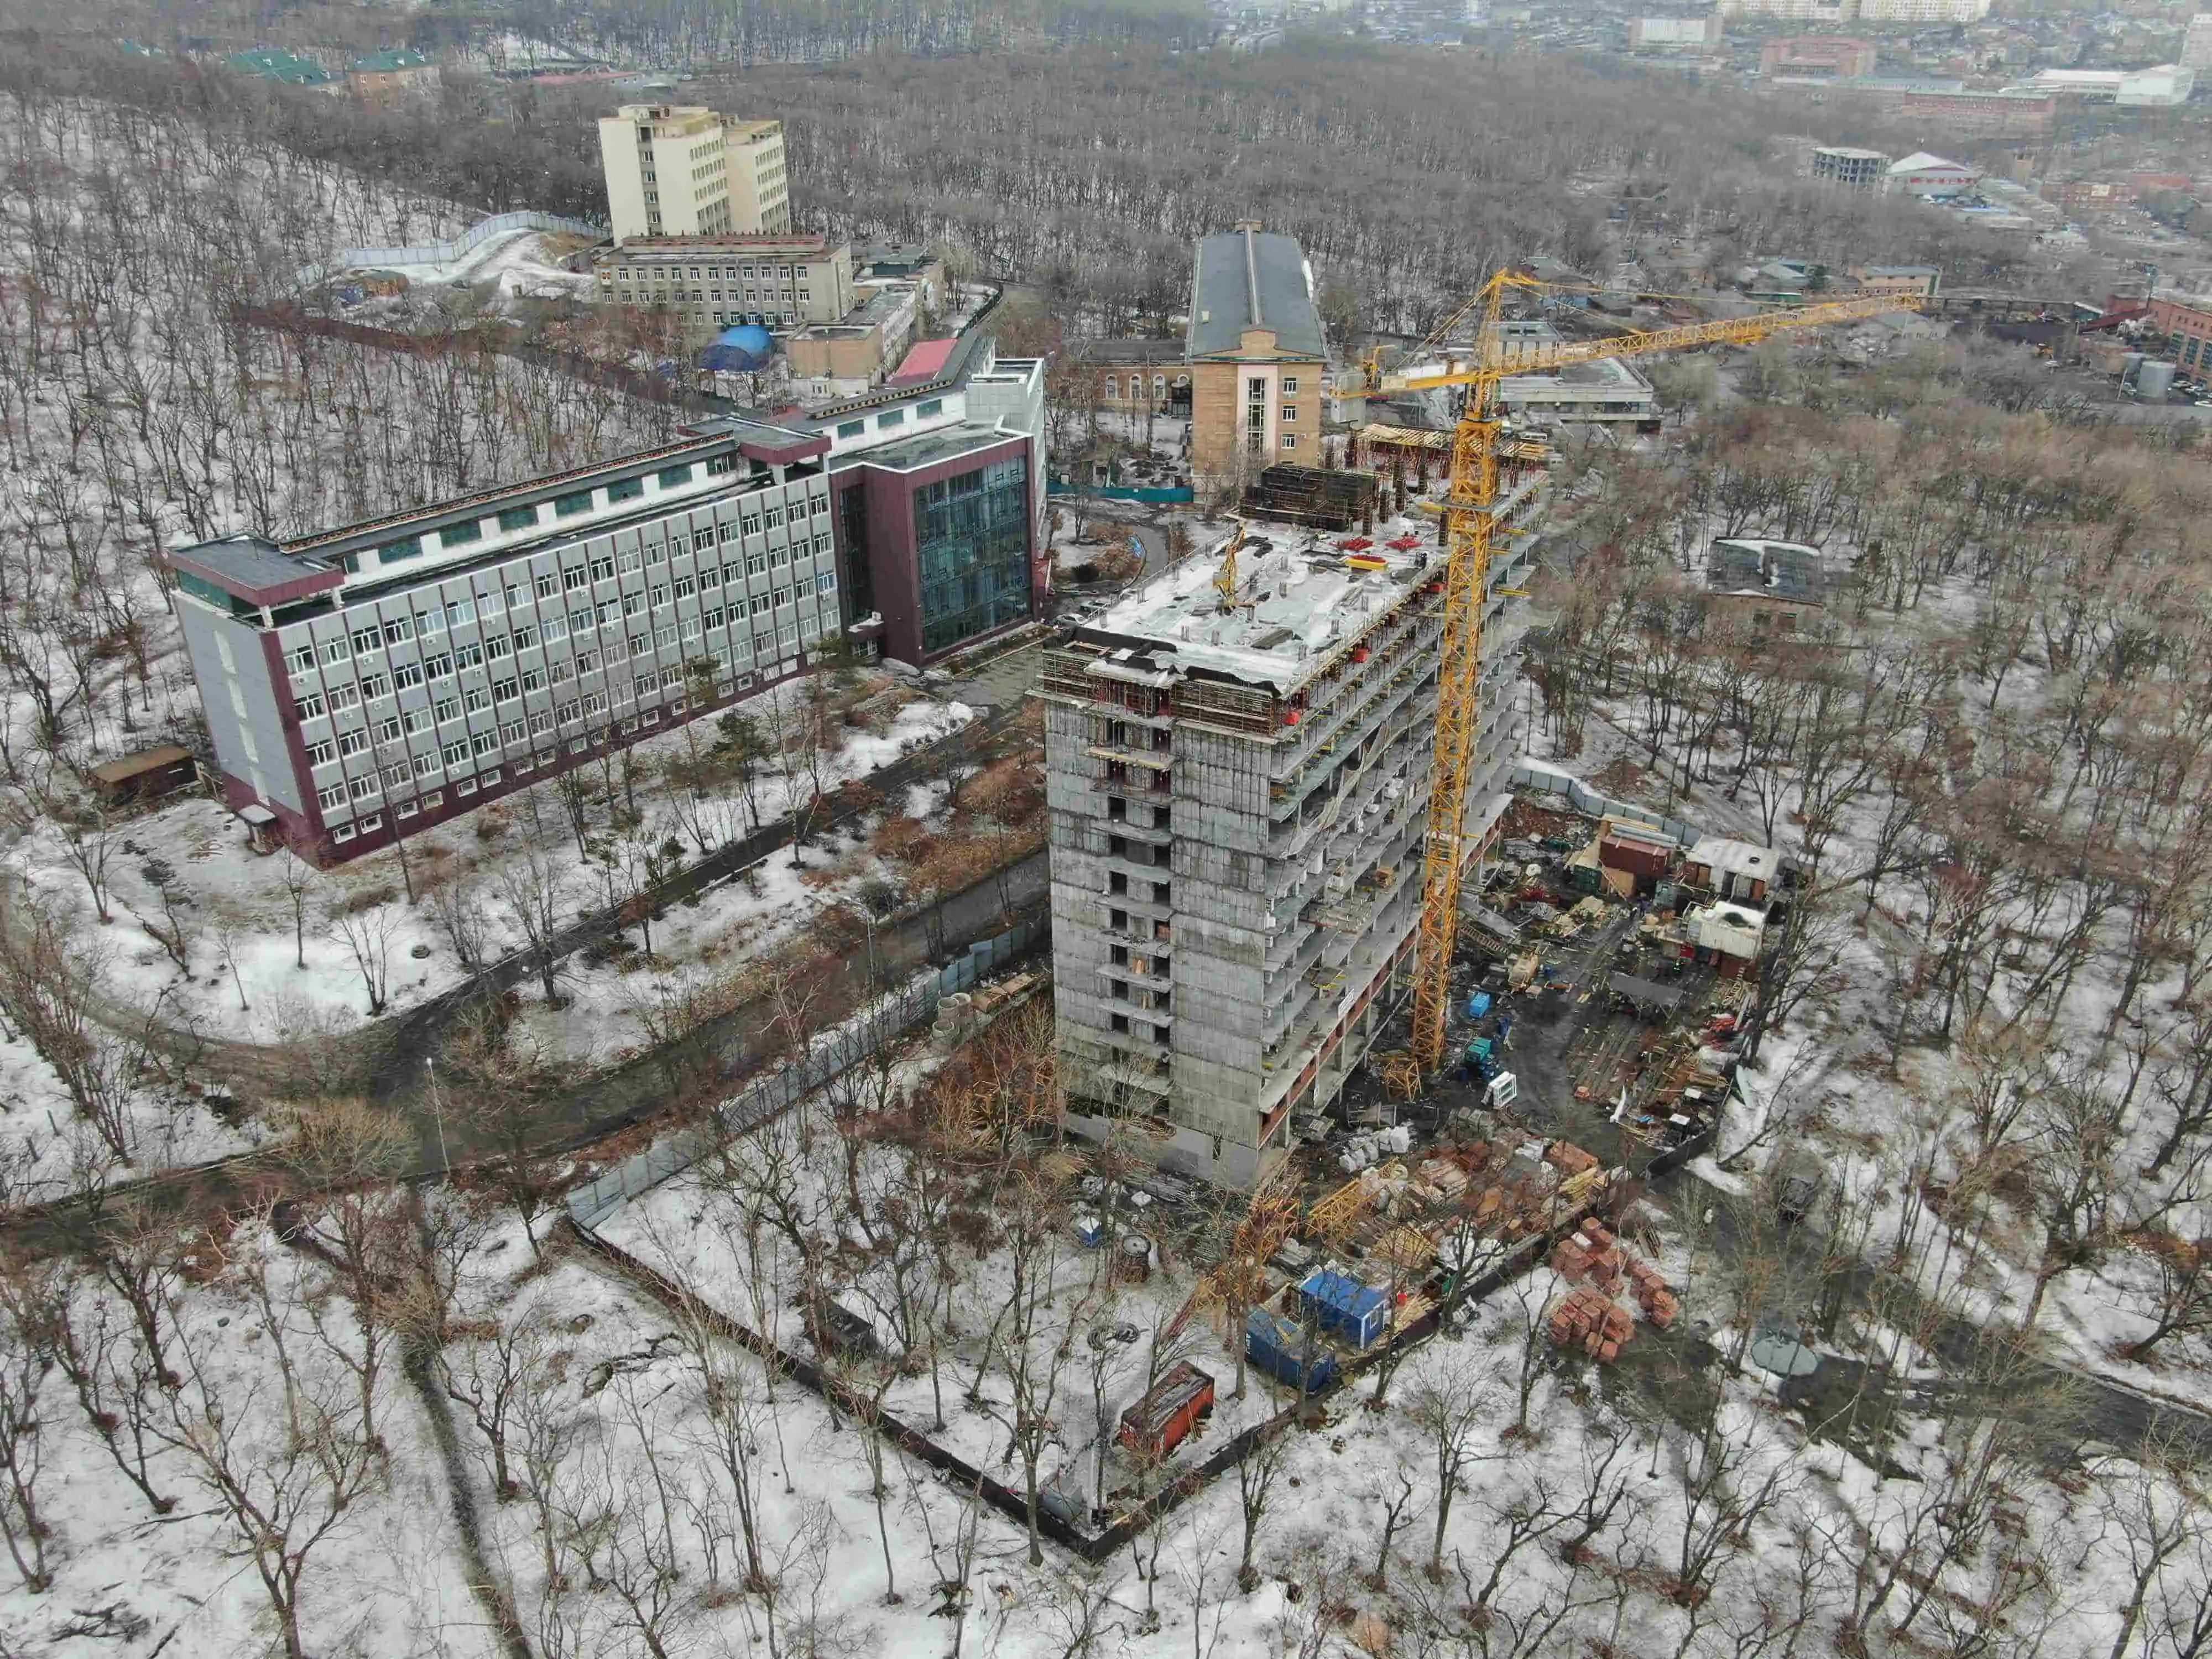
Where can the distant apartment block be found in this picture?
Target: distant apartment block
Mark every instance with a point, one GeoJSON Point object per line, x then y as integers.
{"type": "Point", "coordinates": [2197, 42]}
{"type": "Point", "coordinates": [384, 78]}
{"type": "Point", "coordinates": [1925, 281]}
{"type": "Point", "coordinates": [1255, 353]}
{"type": "Point", "coordinates": [378, 677]}
{"type": "Point", "coordinates": [1818, 55]}
{"type": "Point", "coordinates": [275, 65]}
{"type": "Point", "coordinates": [712, 281]}
{"type": "Point", "coordinates": [1922, 11]}
{"type": "Point", "coordinates": [1673, 33]}
{"type": "Point", "coordinates": [2187, 320]}
{"type": "Point", "coordinates": [1861, 169]}
{"type": "Point", "coordinates": [1860, 11]}
{"type": "Point", "coordinates": [682, 170]}
{"type": "Point", "coordinates": [1790, 11]}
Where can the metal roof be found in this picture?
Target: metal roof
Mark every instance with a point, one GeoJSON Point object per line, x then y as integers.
{"type": "Point", "coordinates": [924, 362]}
{"type": "Point", "coordinates": [257, 571]}
{"type": "Point", "coordinates": [1249, 278]}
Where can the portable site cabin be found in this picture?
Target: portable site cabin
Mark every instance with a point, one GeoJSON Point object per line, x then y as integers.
{"type": "Point", "coordinates": [1732, 869]}
{"type": "Point", "coordinates": [1278, 1346]}
{"type": "Point", "coordinates": [146, 775]}
{"type": "Point", "coordinates": [1641, 850]}
{"type": "Point", "coordinates": [1730, 936]}
{"type": "Point", "coordinates": [1345, 1309]}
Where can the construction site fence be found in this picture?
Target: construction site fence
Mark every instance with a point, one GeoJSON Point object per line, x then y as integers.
{"type": "Point", "coordinates": [1161, 496]}
{"type": "Point", "coordinates": [1012, 1502]}
{"type": "Point", "coordinates": [829, 1057]}
{"type": "Point", "coordinates": [1675, 1157]}
{"type": "Point", "coordinates": [1532, 774]}
{"type": "Point", "coordinates": [438, 254]}
{"type": "Point", "coordinates": [1009, 1501]}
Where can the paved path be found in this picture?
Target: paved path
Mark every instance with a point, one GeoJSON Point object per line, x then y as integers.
{"type": "Point", "coordinates": [1001, 684]}
{"type": "Point", "coordinates": [399, 1046]}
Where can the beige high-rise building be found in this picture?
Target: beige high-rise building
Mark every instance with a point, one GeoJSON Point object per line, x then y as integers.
{"type": "Point", "coordinates": [682, 170]}
{"type": "Point", "coordinates": [759, 197]}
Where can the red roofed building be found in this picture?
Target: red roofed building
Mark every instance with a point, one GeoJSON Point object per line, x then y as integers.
{"type": "Point", "coordinates": [924, 363]}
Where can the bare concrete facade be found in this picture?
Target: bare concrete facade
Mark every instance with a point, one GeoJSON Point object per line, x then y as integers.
{"type": "Point", "coordinates": [1238, 797]}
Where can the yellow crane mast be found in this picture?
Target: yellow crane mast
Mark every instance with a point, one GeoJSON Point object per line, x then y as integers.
{"type": "Point", "coordinates": [1470, 518]}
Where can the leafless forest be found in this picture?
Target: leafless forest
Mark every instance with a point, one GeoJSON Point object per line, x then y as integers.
{"type": "Point", "coordinates": [1088, 172]}
{"type": "Point", "coordinates": [144, 407]}
{"type": "Point", "coordinates": [1991, 751]}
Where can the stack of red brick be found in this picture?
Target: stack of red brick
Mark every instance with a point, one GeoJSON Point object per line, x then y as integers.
{"type": "Point", "coordinates": [1652, 1295]}
{"type": "Point", "coordinates": [1596, 1324]}
{"type": "Point", "coordinates": [1569, 1158]}
{"type": "Point", "coordinates": [1591, 1256]}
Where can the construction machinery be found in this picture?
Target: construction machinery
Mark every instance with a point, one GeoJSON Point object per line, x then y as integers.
{"type": "Point", "coordinates": [1470, 519]}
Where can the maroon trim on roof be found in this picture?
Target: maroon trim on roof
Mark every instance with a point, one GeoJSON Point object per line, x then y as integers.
{"type": "Point", "coordinates": [783, 455]}
{"type": "Point", "coordinates": [309, 583]}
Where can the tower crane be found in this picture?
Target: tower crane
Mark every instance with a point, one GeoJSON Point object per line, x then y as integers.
{"type": "Point", "coordinates": [1470, 518]}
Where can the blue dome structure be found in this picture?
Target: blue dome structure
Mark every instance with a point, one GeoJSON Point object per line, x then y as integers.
{"type": "Point", "coordinates": [740, 350]}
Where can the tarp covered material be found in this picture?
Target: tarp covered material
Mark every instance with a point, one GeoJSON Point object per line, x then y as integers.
{"type": "Point", "coordinates": [1644, 994]}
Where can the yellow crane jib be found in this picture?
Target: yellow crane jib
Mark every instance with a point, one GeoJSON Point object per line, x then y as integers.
{"type": "Point", "coordinates": [1470, 524]}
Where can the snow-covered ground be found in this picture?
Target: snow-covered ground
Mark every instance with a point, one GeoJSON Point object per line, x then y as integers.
{"type": "Point", "coordinates": [1958, 1063]}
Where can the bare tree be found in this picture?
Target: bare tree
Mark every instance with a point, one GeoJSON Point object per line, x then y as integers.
{"type": "Point", "coordinates": [23, 1366]}
{"type": "Point", "coordinates": [1450, 1408]}
{"type": "Point", "coordinates": [281, 1452]}
{"type": "Point", "coordinates": [367, 931]}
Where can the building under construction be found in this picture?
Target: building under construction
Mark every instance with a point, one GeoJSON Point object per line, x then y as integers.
{"type": "Point", "coordinates": [1239, 758]}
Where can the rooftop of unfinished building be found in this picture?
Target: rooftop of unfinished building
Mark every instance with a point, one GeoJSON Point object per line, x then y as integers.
{"type": "Point", "coordinates": [1301, 598]}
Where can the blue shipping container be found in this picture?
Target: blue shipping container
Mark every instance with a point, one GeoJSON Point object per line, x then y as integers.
{"type": "Point", "coordinates": [1344, 1307]}
{"type": "Point", "coordinates": [1279, 1348]}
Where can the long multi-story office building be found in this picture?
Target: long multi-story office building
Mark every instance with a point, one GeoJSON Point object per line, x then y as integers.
{"type": "Point", "coordinates": [711, 282]}
{"type": "Point", "coordinates": [1238, 792]}
{"type": "Point", "coordinates": [378, 677]}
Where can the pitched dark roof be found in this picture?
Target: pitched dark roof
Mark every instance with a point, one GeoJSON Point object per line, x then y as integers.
{"type": "Point", "coordinates": [1250, 278]}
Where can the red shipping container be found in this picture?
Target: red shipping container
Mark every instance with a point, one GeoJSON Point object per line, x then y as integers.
{"type": "Point", "coordinates": [1170, 1409]}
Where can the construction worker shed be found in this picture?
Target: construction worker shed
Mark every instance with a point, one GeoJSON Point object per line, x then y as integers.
{"type": "Point", "coordinates": [1170, 1409]}
{"type": "Point", "coordinates": [1733, 869]}
{"type": "Point", "coordinates": [146, 775]}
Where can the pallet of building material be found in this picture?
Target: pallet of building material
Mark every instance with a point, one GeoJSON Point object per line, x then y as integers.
{"type": "Point", "coordinates": [1594, 1323]}
{"type": "Point", "coordinates": [1442, 1175]}
{"type": "Point", "coordinates": [1569, 1158]}
{"type": "Point", "coordinates": [1407, 1249]}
